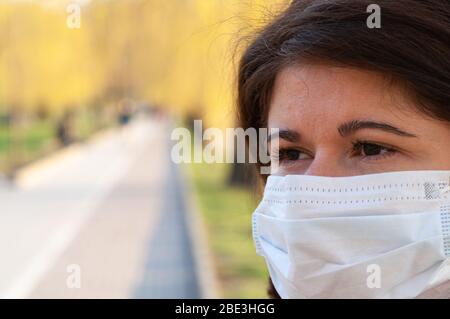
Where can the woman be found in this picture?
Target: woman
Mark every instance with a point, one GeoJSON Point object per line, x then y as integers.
{"type": "Point", "coordinates": [359, 208]}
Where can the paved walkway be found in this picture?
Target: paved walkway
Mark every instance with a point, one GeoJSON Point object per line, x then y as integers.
{"type": "Point", "coordinates": [170, 270]}
{"type": "Point", "coordinates": [111, 211]}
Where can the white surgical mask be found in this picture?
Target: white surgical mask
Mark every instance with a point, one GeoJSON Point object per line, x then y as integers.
{"type": "Point", "coordinates": [370, 236]}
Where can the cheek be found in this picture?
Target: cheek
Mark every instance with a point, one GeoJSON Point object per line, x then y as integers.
{"type": "Point", "coordinates": [434, 151]}
{"type": "Point", "coordinates": [401, 162]}
{"type": "Point", "coordinates": [440, 156]}
{"type": "Point", "coordinates": [441, 162]}
{"type": "Point", "coordinates": [294, 168]}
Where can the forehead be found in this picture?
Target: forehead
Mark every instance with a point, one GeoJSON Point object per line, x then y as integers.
{"type": "Point", "coordinates": [321, 94]}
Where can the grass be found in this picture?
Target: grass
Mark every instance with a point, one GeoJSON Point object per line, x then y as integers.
{"type": "Point", "coordinates": [26, 142]}
{"type": "Point", "coordinates": [227, 213]}
{"type": "Point", "coordinates": [32, 136]}
{"type": "Point", "coordinates": [19, 145]}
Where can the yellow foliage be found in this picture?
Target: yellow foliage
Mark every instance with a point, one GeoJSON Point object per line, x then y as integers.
{"type": "Point", "coordinates": [175, 53]}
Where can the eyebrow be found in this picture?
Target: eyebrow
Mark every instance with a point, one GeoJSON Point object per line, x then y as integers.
{"type": "Point", "coordinates": [344, 130]}
{"type": "Point", "coordinates": [285, 134]}
{"type": "Point", "coordinates": [355, 125]}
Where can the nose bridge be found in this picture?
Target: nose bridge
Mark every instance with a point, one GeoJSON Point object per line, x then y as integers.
{"type": "Point", "coordinates": [326, 163]}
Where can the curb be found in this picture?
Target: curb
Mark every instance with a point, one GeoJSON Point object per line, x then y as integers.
{"type": "Point", "coordinates": [203, 257]}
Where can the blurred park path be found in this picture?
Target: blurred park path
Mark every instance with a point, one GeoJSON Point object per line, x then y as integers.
{"type": "Point", "coordinates": [110, 210]}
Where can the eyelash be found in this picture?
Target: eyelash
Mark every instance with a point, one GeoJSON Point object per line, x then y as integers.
{"type": "Point", "coordinates": [283, 154]}
{"type": "Point", "coordinates": [358, 145]}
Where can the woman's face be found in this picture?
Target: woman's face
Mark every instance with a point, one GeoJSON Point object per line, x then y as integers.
{"type": "Point", "coordinates": [337, 121]}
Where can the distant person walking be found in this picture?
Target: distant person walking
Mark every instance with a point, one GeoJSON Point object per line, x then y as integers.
{"type": "Point", "coordinates": [125, 111]}
{"type": "Point", "coordinates": [64, 131]}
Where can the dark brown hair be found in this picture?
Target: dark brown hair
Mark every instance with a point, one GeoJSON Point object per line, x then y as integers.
{"type": "Point", "coordinates": [412, 46]}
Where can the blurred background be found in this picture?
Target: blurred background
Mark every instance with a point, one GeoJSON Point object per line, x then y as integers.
{"type": "Point", "coordinates": [91, 204]}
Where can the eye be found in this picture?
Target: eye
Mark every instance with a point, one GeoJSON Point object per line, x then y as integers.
{"type": "Point", "coordinates": [290, 154]}
{"type": "Point", "coordinates": [372, 150]}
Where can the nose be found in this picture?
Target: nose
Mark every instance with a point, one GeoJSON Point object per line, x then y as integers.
{"type": "Point", "coordinates": [328, 165]}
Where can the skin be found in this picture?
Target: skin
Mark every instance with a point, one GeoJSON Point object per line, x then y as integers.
{"type": "Point", "coordinates": [310, 103]}
{"type": "Point", "coordinates": [313, 106]}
